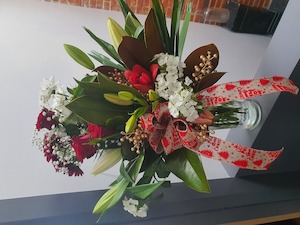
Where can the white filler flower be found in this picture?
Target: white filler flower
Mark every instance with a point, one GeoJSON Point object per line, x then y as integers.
{"type": "Point", "coordinates": [132, 206]}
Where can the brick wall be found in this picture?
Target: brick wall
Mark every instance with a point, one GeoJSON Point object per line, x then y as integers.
{"type": "Point", "coordinates": [143, 6]}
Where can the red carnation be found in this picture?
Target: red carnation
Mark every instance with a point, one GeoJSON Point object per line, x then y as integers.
{"type": "Point", "coordinates": [142, 79]}
{"type": "Point", "coordinates": [82, 148]}
{"type": "Point", "coordinates": [45, 120]}
{"type": "Point", "coordinates": [98, 131]}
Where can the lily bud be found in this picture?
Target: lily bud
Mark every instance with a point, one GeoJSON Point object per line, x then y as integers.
{"type": "Point", "coordinates": [131, 124]}
{"type": "Point", "coordinates": [125, 95]}
{"type": "Point", "coordinates": [107, 160]}
{"type": "Point", "coordinates": [115, 99]}
{"type": "Point", "coordinates": [116, 32]}
{"type": "Point", "coordinates": [152, 95]}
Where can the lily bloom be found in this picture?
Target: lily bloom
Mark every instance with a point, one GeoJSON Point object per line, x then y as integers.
{"type": "Point", "coordinates": [142, 79]}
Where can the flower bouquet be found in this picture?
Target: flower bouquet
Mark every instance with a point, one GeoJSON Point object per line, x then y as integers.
{"type": "Point", "coordinates": [147, 108]}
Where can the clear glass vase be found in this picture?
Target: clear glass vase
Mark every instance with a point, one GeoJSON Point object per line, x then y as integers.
{"type": "Point", "coordinates": [243, 114]}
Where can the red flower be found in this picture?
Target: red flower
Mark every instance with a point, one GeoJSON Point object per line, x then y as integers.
{"type": "Point", "coordinates": [45, 120]}
{"type": "Point", "coordinates": [74, 170]}
{"type": "Point", "coordinates": [142, 79]}
{"type": "Point", "coordinates": [98, 131]}
{"type": "Point", "coordinates": [82, 148]}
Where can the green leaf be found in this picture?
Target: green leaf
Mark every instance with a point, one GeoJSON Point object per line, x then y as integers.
{"type": "Point", "coordinates": [78, 90]}
{"type": "Point", "coordinates": [135, 169]}
{"type": "Point", "coordinates": [174, 22]}
{"type": "Point", "coordinates": [106, 61]}
{"type": "Point", "coordinates": [131, 24]}
{"type": "Point", "coordinates": [111, 197]}
{"type": "Point", "coordinates": [139, 33]}
{"type": "Point", "coordinates": [184, 29]}
{"type": "Point", "coordinates": [125, 9]}
{"type": "Point", "coordinates": [143, 191]}
{"type": "Point", "coordinates": [187, 166]}
{"type": "Point", "coordinates": [162, 170]}
{"type": "Point", "coordinates": [124, 173]}
{"type": "Point", "coordinates": [127, 154]}
{"type": "Point", "coordinates": [79, 56]}
{"type": "Point", "coordinates": [108, 48]}
{"type": "Point", "coordinates": [97, 112]}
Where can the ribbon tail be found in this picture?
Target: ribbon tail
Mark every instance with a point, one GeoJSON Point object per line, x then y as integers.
{"type": "Point", "coordinates": [238, 155]}
{"type": "Point", "coordinates": [244, 89]}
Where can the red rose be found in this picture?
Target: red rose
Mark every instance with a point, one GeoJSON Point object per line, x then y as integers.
{"type": "Point", "coordinates": [82, 148]}
{"type": "Point", "coordinates": [45, 120]}
{"type": "Point", "coordinates": [98, 131]}
{"type": "Point", "coordinates": [142, 79]}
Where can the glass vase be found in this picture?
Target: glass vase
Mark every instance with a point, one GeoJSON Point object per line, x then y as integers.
{"type": "Point", "coordinates": [244, 114]}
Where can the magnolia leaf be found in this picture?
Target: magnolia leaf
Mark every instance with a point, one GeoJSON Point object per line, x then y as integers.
{"type": "Point", "coordinates": [97, 112]}
{"type": "Point", "coordinates": [162, 171]}
{"type": "Point", "coordinates": [134, 52]}
{"type": "Point", "coordinates": [209, 80]}
{"type": "Point", "coordinates": [104, 70]}
{"type": "Point", "coordinates": [184, 29]}
{"type": "Point", "coordinates": [143, 191]}
{"type": "Point", "coordinates": [108, 48]}
{"type": "Point", "coordinates": [152, 38]}
{"type": "Point", "coordinates": [106, 61]}
{"type": "Point", "coordinates": [194, 58]}
{"type": "Point", "coordinates": [79, 56]}
{"type": "Point", "coordinates": [108, 159]}
{"type": "Point", "coordinates": [187, 166]}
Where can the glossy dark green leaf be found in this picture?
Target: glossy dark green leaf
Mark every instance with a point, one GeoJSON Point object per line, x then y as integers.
{"type": "Point", "coordinates": [78, 90]}
{"type": "Point", "coordinates": [162, 170]}
{"type": "Point", "coordinates": [143, 191]}
{"type": "Point", "coordinates": [79, 56]}
{"type": "Point", "coordinates": [97, 112]}
{"type": "Point", "coordinates": [187, 166]}
{"type": "Point", "coordinates": [106, 61]}
{"type": "Point", "coordinates": [127, 154]}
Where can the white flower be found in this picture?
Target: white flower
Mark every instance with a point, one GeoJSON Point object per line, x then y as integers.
{"type": "Point", "coordinates": [48, 86]}
{"type": "Point", "coordinates": [187, 81]}
{"type": "Point", "coordinates": [132, 206]}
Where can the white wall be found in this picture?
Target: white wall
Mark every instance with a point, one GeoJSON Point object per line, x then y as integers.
{"type": "Point", "coordinates": [31, 48]}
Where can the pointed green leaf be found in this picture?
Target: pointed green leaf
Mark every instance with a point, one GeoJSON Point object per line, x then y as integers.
{"type": "Point", "coordinates": [79, 56]}
{"type": "Point", "coordinates": [125, 9]}
{"type": "Point", "coordinates": [111, 197]}
{"type": "Point", "coordinates": [184, 29]}
{"type": "Point", "coordinates": [187, 166]}
{"type": "Point", "coordinates": [78, 90]}
{"type": "Point", "coordinates": [106, 61]}
{"type": "Point", "coordinates": [131, 24]}
{"type": "Point", "coordinates": [143, 191]}
{"type": "Point", "coordinates": [124, 173]}
{"type": "Point", "coordinates": [108, 48]}
{"type": "Point", "coordinates": [135, 169]}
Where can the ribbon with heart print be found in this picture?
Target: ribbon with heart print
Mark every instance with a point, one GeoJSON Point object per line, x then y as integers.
{"type": "Point", "coordinates": [167, 134]}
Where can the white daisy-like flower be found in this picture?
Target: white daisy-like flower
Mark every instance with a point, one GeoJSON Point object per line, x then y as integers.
{"type": "Point", "coordinates": [132, 206]}
{"type": "Point", "coordinates": [48, 86]}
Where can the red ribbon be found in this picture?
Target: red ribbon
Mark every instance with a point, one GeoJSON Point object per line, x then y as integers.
{"type": "Point", "coordinates": [166, 134]}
